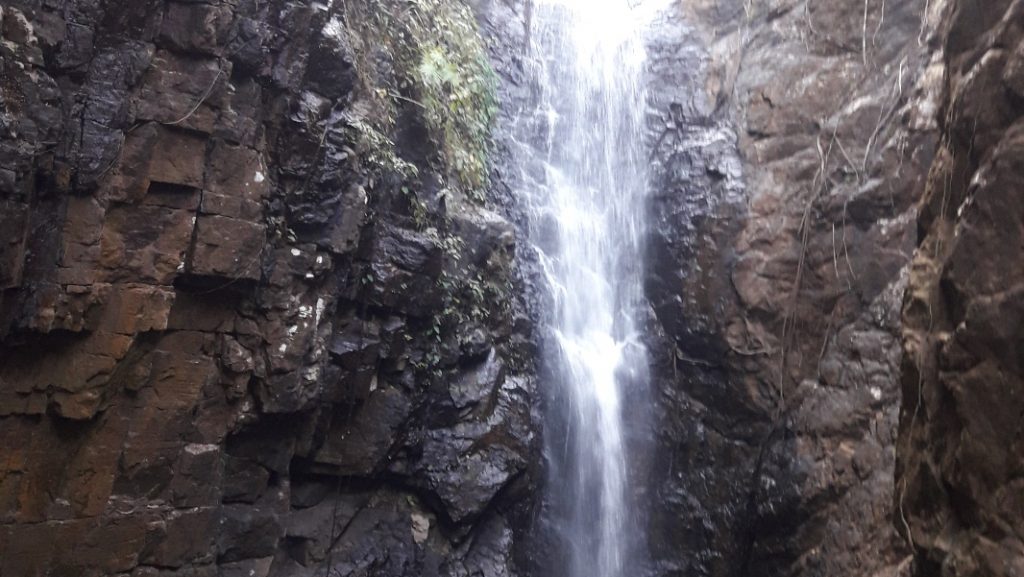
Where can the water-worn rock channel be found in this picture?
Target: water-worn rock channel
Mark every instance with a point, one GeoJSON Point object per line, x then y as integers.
{"type": "Point", "coordinates": [496, 288]}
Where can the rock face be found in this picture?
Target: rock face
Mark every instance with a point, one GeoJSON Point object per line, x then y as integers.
{"type": "Point", "coordinates": [247, 328]}
{"type": "Point", "coordinates": [792, 144]}
{"type": "Point", "coordinates": [959, 483]}
{"type": "Point", "coordinates": [244, 328]}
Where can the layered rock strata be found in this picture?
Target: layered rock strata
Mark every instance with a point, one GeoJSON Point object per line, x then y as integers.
{"type": "Point", "coordinates": [247, 327]}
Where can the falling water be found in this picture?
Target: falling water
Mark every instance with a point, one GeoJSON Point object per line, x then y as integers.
{"type": "Point", "coordinates": [586, 150]}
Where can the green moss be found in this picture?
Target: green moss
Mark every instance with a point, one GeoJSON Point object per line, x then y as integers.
{"type": "Point", "coordinates": [378, 150]}
{"type": "Point", "coordinates": [439, 64]}
{"type": "Point", "coordinates": [456, 86]}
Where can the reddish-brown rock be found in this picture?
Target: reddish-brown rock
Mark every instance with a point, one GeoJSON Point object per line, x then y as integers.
{"type": "Point", "coordinates": [227, 247]}
{"type": "Point", "coordinates": [189, 220]}
{"type": "Point", "coordinates": [959, 483]}
{"type": "Point", "coordinates": [793, 143]}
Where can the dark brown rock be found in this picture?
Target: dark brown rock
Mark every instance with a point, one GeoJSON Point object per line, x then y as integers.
{"type": "Point", "coordinates": [244, 480]}
{"type": "Point", "coordinates": [197, 27]}
{"type": "Point", "coordinates": [237, 182]}
{"type": "Point", "coordinates": [404, 269]}
{"type": "Point", "coordinates": [183, 91]}
{"type": "Point", "coordinates": [183, 538]}
{"type": "Point", "coordinates": [227, 247]}
{"type": "Point", "coordinates": [793, 143]}
{"type": "Point", "coordinates": [359, 445]}
{"type": "Point", "coordinates": [14, 219]}
{"type": "Point", "coordinates": [247, 532]}
{"type": "Point", "coordinates": [197, 478]}
{"type": "Point", "coordinates": [145, 243]}
{"type": "Point", "coordinates": [959, 449]}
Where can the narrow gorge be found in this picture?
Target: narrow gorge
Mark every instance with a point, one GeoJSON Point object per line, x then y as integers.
{"type": "Point", "coordinates": [511, 288]}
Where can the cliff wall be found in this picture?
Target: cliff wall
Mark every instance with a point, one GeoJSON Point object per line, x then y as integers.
{"type": "Point", "coordinates": [258, 316]}
{"type": "Point", "coordinates": [959, 477]}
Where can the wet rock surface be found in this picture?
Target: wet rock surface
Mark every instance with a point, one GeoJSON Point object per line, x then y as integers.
{"type": "Point", "coordinates": [792, 143]}
{"type": "Point", "coordinates": [231, 343]}
{"type": "Point", "coordinates": [959, 484]}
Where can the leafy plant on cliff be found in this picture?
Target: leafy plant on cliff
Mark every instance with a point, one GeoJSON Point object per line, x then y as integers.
{"type": "Point", "coordinates": [451, 75]}
{"type": "Point", "coordinates": [379, 150]}
{"type": "Point", "coordinates": [428, 93]}
{"type": "Point", "coordinates": [439, 65]}
{"type": "Point", "coordinates": [459, 108]}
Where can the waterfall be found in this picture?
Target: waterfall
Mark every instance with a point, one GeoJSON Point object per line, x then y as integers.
{"type": "Point", "coordinates": [585, 151]}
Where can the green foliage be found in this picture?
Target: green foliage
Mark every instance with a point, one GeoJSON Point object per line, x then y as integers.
{"type": "Point", "coordinates": [440, 66]}
{"type": "Point", "coordinates": [378, 150]}
{"type": "Point", "coordinates": [426, 58]}
{"type": "Point", "coordinates": [459, 108]}
{"type": "Point", "coordinates": [455, 85]}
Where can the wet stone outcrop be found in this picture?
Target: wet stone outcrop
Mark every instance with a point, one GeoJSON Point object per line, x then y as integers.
{"type": "Point", "coordinates": [245, 328]}
{"type": "Point", "coordinates": [248, 329]}
{"type": "Point", "coordinates": [792, 142]}
{"type": "Point", "coordinates": [959, 476]}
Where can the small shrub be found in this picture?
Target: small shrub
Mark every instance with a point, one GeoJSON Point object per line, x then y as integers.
{"type": "Point", "coordinates": [440, 65]}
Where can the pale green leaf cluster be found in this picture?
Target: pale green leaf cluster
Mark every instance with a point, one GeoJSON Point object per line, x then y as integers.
{"type": "Point", "coordinates": [441, 67]}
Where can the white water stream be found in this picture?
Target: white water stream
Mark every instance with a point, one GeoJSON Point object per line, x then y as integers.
{"type": "Point", "coordinates": [586, 131]}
